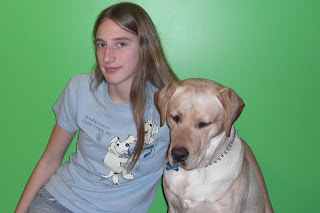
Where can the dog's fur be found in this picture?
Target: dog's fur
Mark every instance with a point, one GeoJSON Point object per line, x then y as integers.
{"type": "Point", "coordinates": [200, 114]}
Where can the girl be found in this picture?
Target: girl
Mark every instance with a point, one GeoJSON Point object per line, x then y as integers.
{"type": "Point", "coordinates": [121, 148]}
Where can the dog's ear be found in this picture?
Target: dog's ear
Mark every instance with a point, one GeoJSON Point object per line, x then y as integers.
{"type": "Point", "coordinates": [161, 99]}
{"type": "Point", "coordinates": [233, 106]}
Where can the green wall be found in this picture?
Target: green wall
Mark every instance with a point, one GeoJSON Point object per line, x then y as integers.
{"type": "Point", "coordinates": [268, 51]}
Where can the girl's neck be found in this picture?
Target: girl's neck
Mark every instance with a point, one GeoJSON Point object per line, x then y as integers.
{"type": "Point", "coordinates": [119, 95]}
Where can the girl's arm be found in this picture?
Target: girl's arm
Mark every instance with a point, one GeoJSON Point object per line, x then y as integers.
{"type": "Point", "coordinates": [50, 161]}
{"type": "Point", "coordinates": [258, 173]}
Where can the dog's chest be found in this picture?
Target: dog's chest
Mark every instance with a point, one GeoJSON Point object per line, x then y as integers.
{"type": "Point", "coordinates": [191, 187]}
{"type": "Point", "coordinates": [200, 191]}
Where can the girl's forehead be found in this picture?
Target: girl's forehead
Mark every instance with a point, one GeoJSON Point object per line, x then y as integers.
{"type": "Point", "coordinates": [110, 28]}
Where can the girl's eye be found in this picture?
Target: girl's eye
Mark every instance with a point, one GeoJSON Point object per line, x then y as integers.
{"type": "Point", "coordinates": [121, 44]}
{"type": "Point", "coordinates": [101, 45]}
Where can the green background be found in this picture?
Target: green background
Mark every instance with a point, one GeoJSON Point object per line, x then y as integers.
{"type": "Point", "coordinates": [267, 51]}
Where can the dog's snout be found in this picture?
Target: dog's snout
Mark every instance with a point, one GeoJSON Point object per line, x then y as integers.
{"type": "Point", "coordinates": [127, 145]}
{"type": "Point", "coordinates": [179, 154]}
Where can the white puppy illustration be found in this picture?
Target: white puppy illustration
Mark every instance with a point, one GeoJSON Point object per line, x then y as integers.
{"type": "Point", "coordinates": [112, 159]}
{"type": "Point", "coordinates": [150, 129]}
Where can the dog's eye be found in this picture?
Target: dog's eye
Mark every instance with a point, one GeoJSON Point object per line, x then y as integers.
{"type": "Point", "coordinates": [176, 118]}
{"type": "Point", "coordinates": [203, 124]}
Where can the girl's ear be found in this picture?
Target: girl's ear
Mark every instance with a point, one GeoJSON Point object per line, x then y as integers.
{"type": "Point", "coordinates": [161, 99]}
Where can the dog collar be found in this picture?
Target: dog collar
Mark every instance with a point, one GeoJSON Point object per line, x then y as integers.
{"type": "Point", "coordinates": [227, 150]}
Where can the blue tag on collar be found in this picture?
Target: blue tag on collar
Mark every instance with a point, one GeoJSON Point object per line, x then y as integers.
{"type": "Point", "coordinates": [168, 167]}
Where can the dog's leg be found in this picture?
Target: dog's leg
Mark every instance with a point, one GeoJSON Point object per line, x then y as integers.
{"type": "Point", "coordinates": [115, 179]}
{"type": "Point", "coordinates": [174, 204]}
{"type": "Point", "coordinates": [171, 210]}
{"type": "Point", "coordinates": [127, 175]}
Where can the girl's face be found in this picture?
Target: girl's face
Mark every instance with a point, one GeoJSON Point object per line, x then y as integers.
{"type": "Point", "coordinates": [117, 54]}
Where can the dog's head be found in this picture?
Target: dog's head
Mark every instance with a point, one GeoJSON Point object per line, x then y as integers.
{"type": "Point", "coordinates": [118, 148]}
{"type": "Point", "coordinates": [150, 127]}
{"type": "Point", "coordinates": [196, 111]}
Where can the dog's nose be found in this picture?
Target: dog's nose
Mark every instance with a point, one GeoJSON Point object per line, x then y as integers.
{"type": "Point", "coordinates": [179, 154]}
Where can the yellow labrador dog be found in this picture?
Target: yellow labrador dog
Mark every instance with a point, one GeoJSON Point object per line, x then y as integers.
{"type": "Point", "coordinates": [207, 169]}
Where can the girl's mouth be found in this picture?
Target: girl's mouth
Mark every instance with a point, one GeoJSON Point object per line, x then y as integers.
{"type": "Point", "coordinates": [111, 69]}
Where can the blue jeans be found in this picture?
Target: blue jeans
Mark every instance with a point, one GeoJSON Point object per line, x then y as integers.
{"type": "Point", "coordinates": [46, 203]}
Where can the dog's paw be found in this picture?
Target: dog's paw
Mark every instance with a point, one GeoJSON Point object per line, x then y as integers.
{"type": "Point", "coordinates": [128, 176]}
{"type": "Point", "coordinates": [148, 142]}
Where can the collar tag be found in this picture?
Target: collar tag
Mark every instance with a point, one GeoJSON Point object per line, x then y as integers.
{"type": "Point", "coordinates": [168, 167]}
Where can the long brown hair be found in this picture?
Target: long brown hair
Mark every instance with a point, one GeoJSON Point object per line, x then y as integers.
{"type": "Point", "coordinates": [152, 67]}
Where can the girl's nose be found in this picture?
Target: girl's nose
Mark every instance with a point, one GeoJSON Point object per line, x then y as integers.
{"type": "Point", "coordinates": [109, 55]}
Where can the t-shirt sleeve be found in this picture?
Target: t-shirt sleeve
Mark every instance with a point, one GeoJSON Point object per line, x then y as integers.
{"type": "Point", "coordinates": [65, 108]}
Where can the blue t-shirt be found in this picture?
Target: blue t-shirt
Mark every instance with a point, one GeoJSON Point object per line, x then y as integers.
{"type": "Point", "coordinates": [95, 179]}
